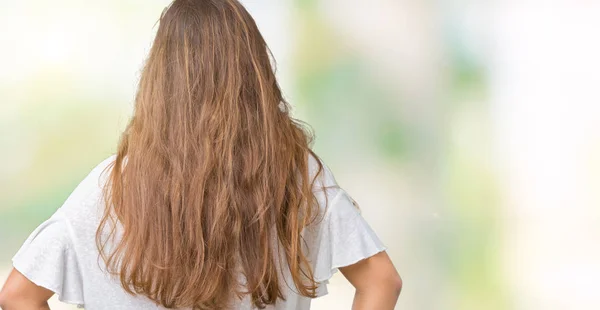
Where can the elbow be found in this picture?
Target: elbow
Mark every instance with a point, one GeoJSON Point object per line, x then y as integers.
{"type": "Point", "coordinates": [4, 300]}
{"type": "Point", "coordinates": [9, 299]}
{"type": "Point", "coordinates": [397, 285]}
{"type": "Point", "coordinates": [391, 285]}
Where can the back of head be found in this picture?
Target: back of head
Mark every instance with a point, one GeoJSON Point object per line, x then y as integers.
{"type": "Point", "coordinates": [210, 170]}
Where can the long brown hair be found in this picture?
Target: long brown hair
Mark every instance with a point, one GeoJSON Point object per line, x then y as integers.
{"type": "Point", "coordinates": [210, 170]}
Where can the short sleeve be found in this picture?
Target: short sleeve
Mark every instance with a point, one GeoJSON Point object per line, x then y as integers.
{"type": "Point", "coordinates": [343, 237]}
{"type": "Point", "coordinates": [48, 260]}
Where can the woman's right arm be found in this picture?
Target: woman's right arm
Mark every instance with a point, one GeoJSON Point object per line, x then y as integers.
{"type": "Point", "coordinates": [376, 281]}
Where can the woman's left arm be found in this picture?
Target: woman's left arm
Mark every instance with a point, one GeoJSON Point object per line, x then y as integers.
{"type": "Point", "coordinates": [19, 293]}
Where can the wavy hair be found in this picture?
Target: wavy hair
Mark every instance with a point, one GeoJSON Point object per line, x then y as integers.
{"type": "Point", "coordinates": [210, 170]}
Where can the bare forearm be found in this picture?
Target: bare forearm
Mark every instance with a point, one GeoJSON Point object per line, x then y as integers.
{"type": "Point", "coordinates": [384, 299]}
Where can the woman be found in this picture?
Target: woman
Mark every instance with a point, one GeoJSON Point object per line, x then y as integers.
{"type": "Point", "coordinates": [214, 199]}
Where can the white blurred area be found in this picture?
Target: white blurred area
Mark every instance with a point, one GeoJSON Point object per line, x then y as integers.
{"type": "Point", "coordinates": [545, 79]}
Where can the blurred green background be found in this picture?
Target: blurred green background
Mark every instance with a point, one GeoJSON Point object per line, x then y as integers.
{"type": "Point", "coordinates": [468, 131]}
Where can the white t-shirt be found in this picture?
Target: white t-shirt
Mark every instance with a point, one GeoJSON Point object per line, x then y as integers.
{"type": "Point", "coordinates": [61, 253]}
